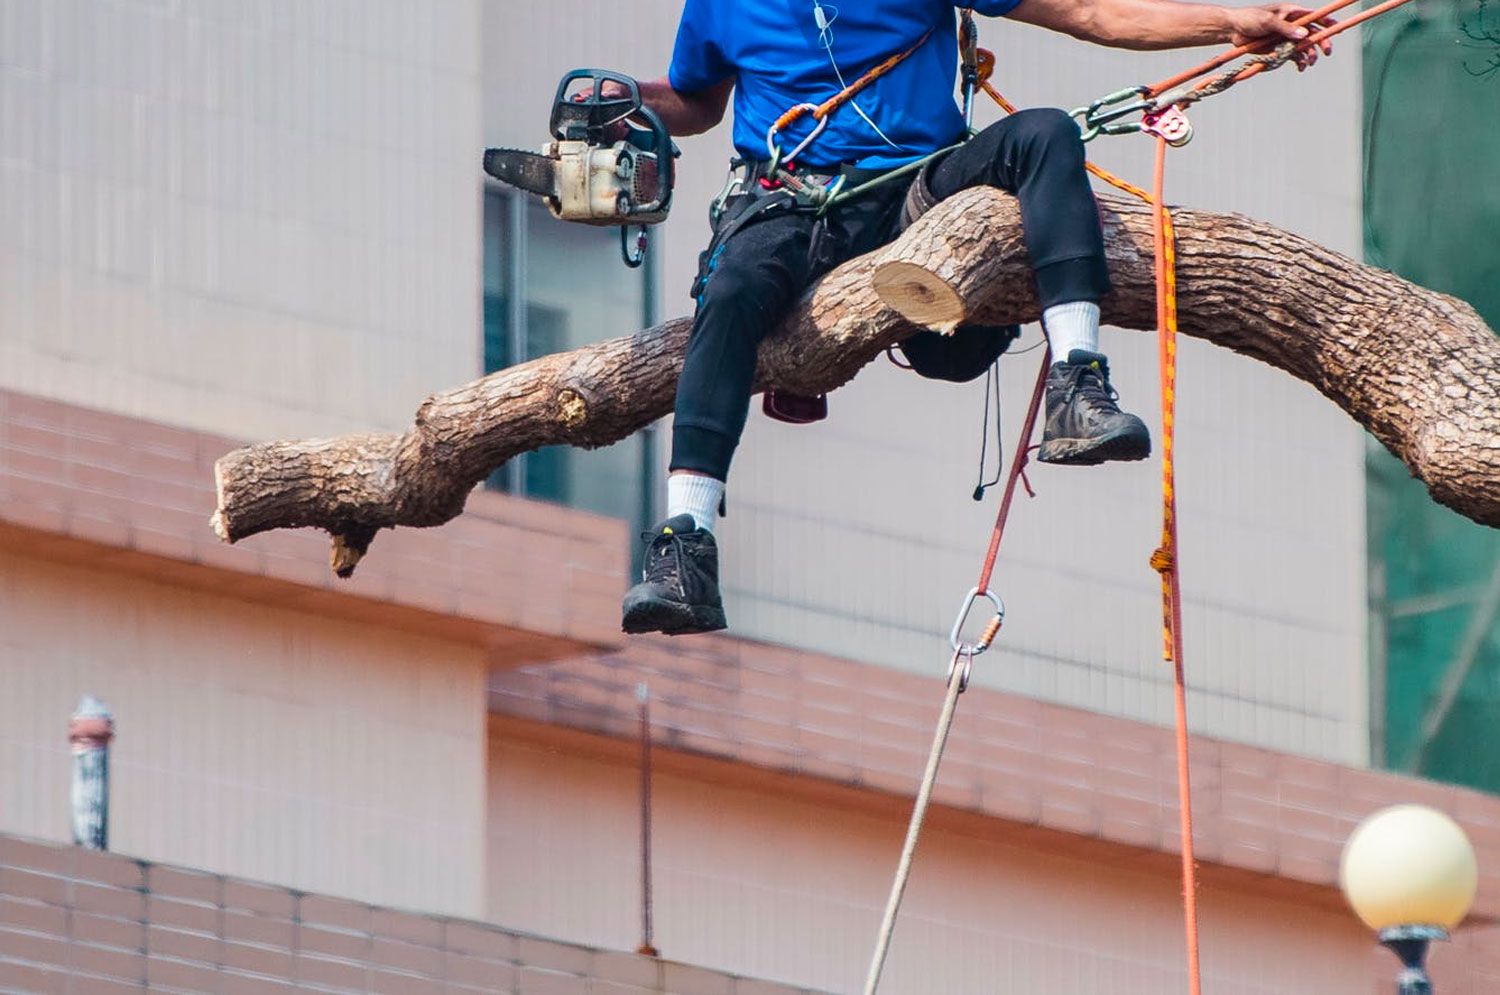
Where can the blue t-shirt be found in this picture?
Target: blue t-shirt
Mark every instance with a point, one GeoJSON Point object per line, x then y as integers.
{"type": "Point", "coordinates": [775, 51]}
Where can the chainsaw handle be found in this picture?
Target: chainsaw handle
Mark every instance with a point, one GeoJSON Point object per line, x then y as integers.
{"type": "Point", "coordinates": [666, 155]}
{"type": "Point", "coordinates": [590, 119]}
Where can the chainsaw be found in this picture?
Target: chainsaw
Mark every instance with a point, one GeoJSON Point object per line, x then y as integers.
{"type": "Point", "coordinates": [585, 176]}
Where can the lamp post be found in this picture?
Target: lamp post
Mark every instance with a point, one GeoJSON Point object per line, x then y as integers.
{"type": "Point", "coordinates": [1409, 872]}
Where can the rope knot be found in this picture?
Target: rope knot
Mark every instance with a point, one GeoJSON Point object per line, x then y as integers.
{"type": "Point", "coordinates": [1162, 560]}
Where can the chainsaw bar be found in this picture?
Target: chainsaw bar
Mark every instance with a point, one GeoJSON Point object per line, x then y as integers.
{"type": "Point", "coordinates": [531, 171]}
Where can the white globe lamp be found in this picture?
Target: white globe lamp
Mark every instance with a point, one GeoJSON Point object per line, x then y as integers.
{"type": "Point", "coordinates": [1409, 872]}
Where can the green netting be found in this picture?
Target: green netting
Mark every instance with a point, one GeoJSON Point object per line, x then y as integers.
{"type": "Point", "coordinates": [1432, 214]}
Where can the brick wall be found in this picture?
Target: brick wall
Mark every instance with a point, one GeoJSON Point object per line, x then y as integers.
{"type": "Point", "coordinates": [75, 921]}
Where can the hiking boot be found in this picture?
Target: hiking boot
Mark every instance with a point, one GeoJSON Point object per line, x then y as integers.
{"type": "Point", "coordinates": [679, 590]}
{"type": "Point", "coordinates": [1084, 424]}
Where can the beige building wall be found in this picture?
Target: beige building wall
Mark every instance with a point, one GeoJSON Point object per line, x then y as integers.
{"type": "Point", "coordinates": [253, 741]}
{"type": "Point", "coordinates": [263, 221]}
{"type": "Point", "coordinates": [858, 537]}
{"type": "Point", "coordinates": [761, 881]}
{"type": "Point", "coordinates": [251, 218]}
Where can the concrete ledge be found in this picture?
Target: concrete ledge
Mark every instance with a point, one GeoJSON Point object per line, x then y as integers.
{"type": "Point", "coordinates": [533, 581]}
{"type": "Point", "coordinates": [1029, 763]}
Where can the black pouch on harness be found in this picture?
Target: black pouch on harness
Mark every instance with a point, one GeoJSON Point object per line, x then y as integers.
{"type": "Point", "coordinates": [960, 357]}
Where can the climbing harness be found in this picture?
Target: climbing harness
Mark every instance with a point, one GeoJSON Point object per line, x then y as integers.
{"type": "Point", "coordinates": [1161, 109]}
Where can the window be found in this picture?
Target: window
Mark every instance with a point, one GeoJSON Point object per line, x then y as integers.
{"type": "Point", "coordinates": [575, 291]}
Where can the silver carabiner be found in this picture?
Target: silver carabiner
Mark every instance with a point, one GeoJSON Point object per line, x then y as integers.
{"type": "Point", "coordinates": [775, 149]}
{"type": "Point", "coordinates": [1094, 120]}
{"type": "Point", "coordinates": [955, 636]}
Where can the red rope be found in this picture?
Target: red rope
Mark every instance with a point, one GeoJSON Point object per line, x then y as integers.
{"type": "Point", "coordinates": [1017, 471]}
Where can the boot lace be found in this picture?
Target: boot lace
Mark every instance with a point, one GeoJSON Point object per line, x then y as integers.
{"type": "Point", "coordinates": [1092, 384]}
{"type": "Point", "coordinates": [663, 560]}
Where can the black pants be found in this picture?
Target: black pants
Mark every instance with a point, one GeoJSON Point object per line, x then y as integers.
{"type": "Point", "coordinates": [764, 267]}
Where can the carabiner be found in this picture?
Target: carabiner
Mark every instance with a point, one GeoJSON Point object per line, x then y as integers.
{"type": "Point", "coordinates": [990, 631]}
{"type": "Point", "coordinates": [830, 195]}
{"type": "Point", "coordinates": [786, 119]}
{"type": "Point", "coordinates": [1092, 123]}
{"type": "Point", "coordinates": [633, 260]}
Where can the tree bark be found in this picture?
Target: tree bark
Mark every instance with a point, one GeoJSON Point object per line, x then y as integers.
{"type": "Point", "coordinates": [1419, 369]}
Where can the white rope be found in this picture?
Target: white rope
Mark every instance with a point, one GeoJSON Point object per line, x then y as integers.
{"type": "Point", "coordinates": [958, 678]}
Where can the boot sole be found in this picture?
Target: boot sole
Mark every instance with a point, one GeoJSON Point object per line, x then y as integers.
{"type": "Point", "coordinates": [1123, 446]}
{"type": "Point", "coordinates": [672, 618]}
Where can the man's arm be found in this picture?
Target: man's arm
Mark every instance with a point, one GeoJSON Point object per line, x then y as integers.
{"type": "Point", "coordinates": [1153, 24]}
{"type": "Point", "coordinates": [686, 113]}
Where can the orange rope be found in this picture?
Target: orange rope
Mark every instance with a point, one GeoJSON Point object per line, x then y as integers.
{"type": "Point", "coordinates": [1164, 560]}
{"type": "Point", "coordinates": [1317, 37]}
{"type": "Point", "coordinates": [848, 93]}
{"type": "Point", "coordinates": [838, 100]}
{"type": "Point", "coordinates": [1264, 45]}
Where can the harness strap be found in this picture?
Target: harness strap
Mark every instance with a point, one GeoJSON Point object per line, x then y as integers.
{"type": "Point", "coordinates": [759, 205]}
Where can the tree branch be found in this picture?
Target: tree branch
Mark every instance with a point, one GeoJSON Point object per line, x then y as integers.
{"type": "Point", "coordinates": [1419, 369]}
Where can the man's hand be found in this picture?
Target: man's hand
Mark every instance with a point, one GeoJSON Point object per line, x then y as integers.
{"type": "Point", "coordinates": [1274, 22]}
{"type": "Point", "coordinates": [608, 90]}
{"type": "Point", "coordinates": [1155, 24]}
{"type": "Point", "coordinates": [682, 113]}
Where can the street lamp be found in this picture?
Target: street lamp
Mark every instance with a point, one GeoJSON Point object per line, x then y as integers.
{"type": "Point", "coordinates": [1409, 872]}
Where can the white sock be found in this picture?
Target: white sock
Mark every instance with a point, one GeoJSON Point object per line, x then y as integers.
{"type": "Point", "coordinates": [696, 495]}
{"type": "Point", "coordinates": [1070, 326]}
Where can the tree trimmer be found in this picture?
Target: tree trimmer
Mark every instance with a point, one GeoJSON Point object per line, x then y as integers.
{"type": "Point", "coordinates": [584, 175]}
